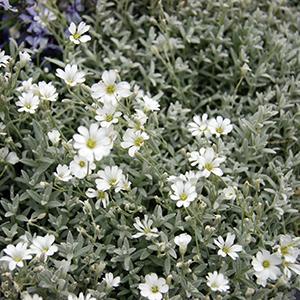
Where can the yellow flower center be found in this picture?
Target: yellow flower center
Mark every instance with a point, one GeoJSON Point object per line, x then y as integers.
{"type": "Point", "coordinates": [113, 182]}
{"type": "Point", "coordinates": [284, 250]}
{"type": "Point", "coordinates": [45, 249]}
{"type": "Point", "coordinates": [82, 163]}
{"type": "Point", "coordinates": [76, 36]}
{"type": "Point", "coordinates": [154, 289]}
{"type": "Point", "coordinates": [110, 89]}
{"type": "Point", "coordinates": [208, 166]}
{"type": "Point", "coordinates": [91, 143]}
{"type": "Point", "coordinates": [219, 130]}
{"type": "Point", "coordinates": [17, 259]}
{"type": "Point", "coordinates": [147, 230]}
{"type": "Point", "coordinates": [101, 195]}
{"type": "Point", "coordinates": [266, 264]}
{"type": "Point", "coordinates": [139, 141]}
{"type": "Point", "coordinates": [28, 105]}
{"type": "Point", "coordinates": [226, 249]}
{"type": "Point", "coordinates": [183, 196]}
{"type": "Point", "coordinates": [109, 118]}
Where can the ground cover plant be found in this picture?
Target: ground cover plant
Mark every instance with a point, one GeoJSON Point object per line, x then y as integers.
{"type": "Point", "coordinates": [149, 149]}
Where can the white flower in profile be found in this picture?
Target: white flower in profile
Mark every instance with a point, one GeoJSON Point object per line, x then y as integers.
{"type": "Point", "coordinates": [101, 196]}
{"type": "Point", "coordinates": [24, 57]}
{"type": "Point", "coordinates": [217, 282]}
{"type": "Point", "coordinates": [28, 86]}
{"type": "Point", "coordinates": [63, 173]}
{"type": "Point", "coordinates": [16, 255]}
{"type": "Point", "coordinates": [47, 91]}
{"type": "Point", "coordinates": [92, 143]}
{"type": "Point", "coordinates": [43, 246]}
{"type": "Point", "coordinates": [28, 103]}
{"type": "Point", "coordinates": [149, 104]}
{"type": "Point", "coordinates": [290, 267]}
{"type": "Point", "coordinates": [265, 266]}
{"type": "Point", "coordinates": [111, 281]}
{"type": "Point", "coordinates": [208, 162]}
{"type": "Point", "coordinates": [288, 248]}
{"type": "Point", "coordinates": [108, 91]}
{"type": "Point", "coordinates": [154, 287]}
{"type": "Point", "coordinates": [8, 157]}
{"type": "Point", "coordinates": [26, 296]}
{"type": "Point", "coordinates": [80, 167]}
{"type": "Point", "coordinates": [220, 126]}
{"type": "Point", "coordinates": [230, 193]}
{"type": "Point", "coordinates": [111, 178]}
{"type": "Point", "coordinates": [144, 228]}
{"type": "Point", "coordinates": [78, 33]}
{"type": "Point", "coordinates": [133, 140]}
{"type": "Point", "coordinates": [228, 247]}
{"type": "Point", "coordinates": [71, 75]}
{"type": "Point", "coordinates": [54, 136]}
{"type": "Point", "coordinates": [137, 121]}
{"type": "Point", "coordinates": [199, 126]}
{"type": "Point", "coordinates": [182, 241]}
{"type": "Point", "coordinates": [4, 59]}
{"type": "Point", "coordinates": [107, 115]}
{"type": "Point", "coordinates": [184, 193]}
{"type": "Point", "coordinates": [81, 297]}
{"type": "Point", "coordinates": [189, 176]}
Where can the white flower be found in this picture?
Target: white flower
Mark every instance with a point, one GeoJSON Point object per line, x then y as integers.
{"type": "Point", "coordinates": [111, 177]}
{"type": "Point", "coordinates": [182, 241]}
{"type": "Point", "coordinates": [190, 176]}
{"type": "Point", "coordinates": [289, 267]}
{"type": "Point", "coordinates": [227, 247]}
{"type": "Point", "coordinates": [199, 126]}
{"type": "Point", "coordinates": [26, 296]}
{"type": "Point", "coordinates": [149, 104]}
{"type": "Point", "coordinates": [8, 157]}
{"type": "Point", "coordinates": [107, 115]}
{"type": "Point", "coordinates": [230, 193]}
{"type": "Point", "coordinates": [54, 136]}
{"type": "Point", "coordinates": [219, 126]}
{"type": "Point", "coordinates": [71, 75]}
{"type": "Point", "coordinates": [265, 266]}
{"type": "Point", "coordinates": [92, 143]}
{"type": "Point", "coordinates": [108, 91]}
{"type": "Point", "coordinates": [47, 91]}
{"type": "Point", "coordinates": [43, 246]}
{"type": "Point", "coordinates": [184, 193]}
{"type": "Point", "coordinates": [28, 102]}
{"type": "Point", "coordinates": [217, 282]}
{"type": "Point", "coordinates": [138, 120]}
{"type": "Point", "coordinates": [77, 33]}
{"type": "Point", "coordinates": [81, 297]}
{"type": "Point", "coordinates": [287, 248]}
{"type": "Point", "coordinates": [154, 287]}
{"type": "Point", "coordinates": [102, 197]}
{"type": "Point", "coordinates": [28, 86]}
{"type": "Point", "coordinates": [63, 173]}
{"type": "Point", "coordinates": [208, 162]}
{"type": "Point", "coordinates": [24, 57]}
{"type": "Point", "coordinates": [16, 255]}
{"type": "Point", "coordinates": [110, 281]}
{"type": "Point", "coordinates": [144, 228]}
{"type": "Point", "coordinates": [81, 167]}
{"type": "Point", "coordinates": [133, 140]}
{"type": "Point", "coordinates": [4, 59]}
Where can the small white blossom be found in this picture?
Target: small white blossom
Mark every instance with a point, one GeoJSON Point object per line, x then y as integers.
{"type": "Point", "coordinates": [227, 247]}
{"type": "Point", "coordinates": [288, 248]}
{"type": "Point", "coordinates": [28, 86]}
{"type": "Point", "coordinates": [265, 266]}
{"type": "Point", "coordinates": [78, 33]}
{"type": "Point", "coordinates": [28, 102]}
{"type": "Point", "coordinates": [16, 255]}
{"type": "Point", "coordinates": [8, 157]}
{"type": "Point", "coordinates": [107, 115]}
{"type": "Point", "coordinates": [26, 296]}
{"type": "Point", "coordinates": [229, 193]}
{"type": "Point", "coordinates": [101, 196]}
{"type": "Point", "coordinates": [80, 167]}
{"type": "Point", "coordinates": [217, 282]}
{"type": "Point", "coordinates": [24, 57]}
{"type": "Point", "coordinates": [137, 121]}
{"type": "Point", "coordinates": [54, 136]}
{"type": "Point", "coordinates": [81, 297]}
{"type": "Point", "coordinates": [149, 104]}
{"type": "Point", "coordinates": [133, 140]}
{"type": "Point", "coordinates": [154, 287]}
{"type": "Point", "coordinates": [220, 126]}
{"type": "Point", "coordinates": [144, 228]}
{"type": "Point", "coordinates": [63, 173]}
{"type": "Point", "coordinates": [71, 75]}
{"type": "Point", "coordinates": [92, 143]}
{"type": "Point", "coordinates": [108, 91]}
{"type": "Point", "coordinates": [111, 281]}
{"type": "Point", "coordinates": [43, 246]}
{"type": "Point", "coordinates": [183, 193]}
{"type": "Point", "coordinates": [199, 126]}
{"type": "Point", "coordinates": [4, 59]}
{"type": "Point", "coordinates": [47, 91]}
{"type": "Point", "coordinates": [182, 241]}
{"type": "Point", "coordinates": [289, 267]}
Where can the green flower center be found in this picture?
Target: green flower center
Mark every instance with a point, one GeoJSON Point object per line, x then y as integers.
{"type": "Point", "coordinates": [154, 289]}
{"type": "Point", "coordinates": [183, 196]}
{"type": "Point", "coordinates": [101, 195]}
{"type": "Point", "coordinates": [109, 118]}
{"type": "Point", "coordinates": [76, 36]}
{"type": "Point", "coordinates": [82, 163]}
{"type": "Point", "coordinates": [28, 105]}
{"type": "Point", "coordinates": [45, 249]}
{"type": "Point", "coordinates": [17, 259]}
{"type": "Point", "coordinates": [284, 250]}
{"type": "Point", "coordinates": [91, 143]}
{"type": "Point", "coordinates": [219, 130]}
{"type": "Point", "coordinates": [147, 230]}
{"type": "Point", "coordinates": [139, 141]}
{"type": "Point", "coordinates": [226, 249]}
{"type": "Point", "coordinates": [266, 264]}
{"type": "Point", "coordinates": [110, 89]}
{"type": "Point", "coordinates": [208, 166]}
{"type": "Point", "coordinates": [113, 182]}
